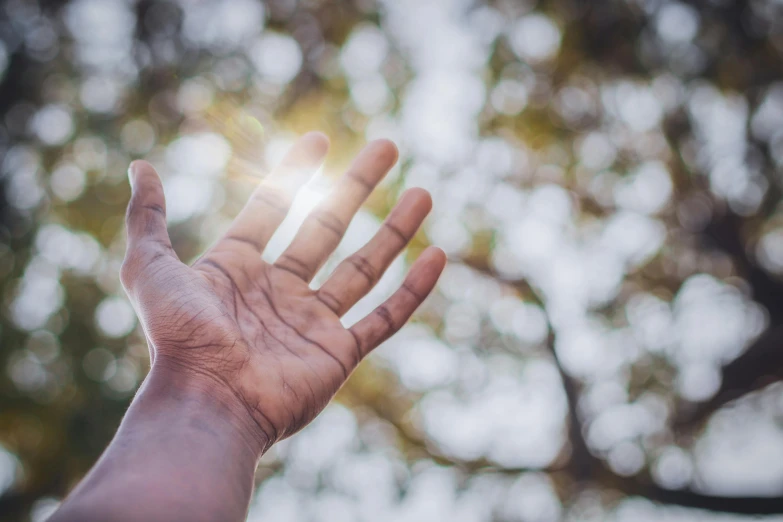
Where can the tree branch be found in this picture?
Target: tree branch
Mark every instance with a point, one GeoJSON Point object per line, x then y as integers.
{"type": "Point", "coordinates": [762, 363]}
{"type": "Point", "coordinates": [587, 468]}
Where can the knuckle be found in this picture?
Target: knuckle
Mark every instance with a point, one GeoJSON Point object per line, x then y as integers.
{"type": "Point", "coordinates": [133, 210]}
{"type": "Point", "coordinates": [328, 220]}
{"type": "Point", "coordinates": [129, 269]}
{"type": "Point", "coordinates": [127, 273]}
{"type": "Point", "coordinates": [364, 267]}
{"type": "Point", "coordinates": [273, 198]}
{"type": "Point", "coordinates": [386, 317]}
{"type": "Point", "coordinates": [137, 261]}
{"type": "Point", "coordinates": [130, 209]}
{"type": "Point", "coordinates": [152, 206]}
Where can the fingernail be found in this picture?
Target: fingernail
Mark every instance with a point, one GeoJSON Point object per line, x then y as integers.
{"type": "Point", "coordinates": [131, 172]}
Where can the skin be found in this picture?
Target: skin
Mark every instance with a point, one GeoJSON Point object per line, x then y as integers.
{"type": "Point", "coordinates": [244, 353]}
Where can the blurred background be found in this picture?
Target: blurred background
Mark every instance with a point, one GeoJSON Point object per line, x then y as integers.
{"type": "Point", "coordinates": [607, 340]}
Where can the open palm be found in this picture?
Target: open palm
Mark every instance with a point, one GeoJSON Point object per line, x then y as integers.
{"type": "Point", "coordinates": [257, 331]}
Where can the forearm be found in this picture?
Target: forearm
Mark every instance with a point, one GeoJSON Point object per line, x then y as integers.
{"type": "Point", "coordinates": [182, 452]}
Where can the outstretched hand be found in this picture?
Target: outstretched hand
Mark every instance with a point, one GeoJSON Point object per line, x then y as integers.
{"type": "Point", "coordinates": [255, 333]}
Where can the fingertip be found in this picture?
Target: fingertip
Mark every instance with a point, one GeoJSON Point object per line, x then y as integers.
{"type": "Point", "coordinates": [317, 142]}
{"type": "Point", "coordinates": [386, 149]}
{"type": "Point", "coordinates": [132, 169]}
{"type": "Point", "coordinates": [421, 196]}
{"type": "Point", "coordinates": [436, 257]}
{"type": "Point", "coordinates": [140, 164]}
{"type": "Point", "coordinates": [146, 213]}
{"type": "Point", "coordinates": [427, 268]}
{"type": "Point", "coordinates": [140, 167]}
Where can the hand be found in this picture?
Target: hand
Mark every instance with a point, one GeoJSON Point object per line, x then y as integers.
{"type": "Point", "coordinates": [255, 333]}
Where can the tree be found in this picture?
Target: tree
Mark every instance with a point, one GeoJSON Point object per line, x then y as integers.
{"type": "Point", "coordinates": [606, 182]}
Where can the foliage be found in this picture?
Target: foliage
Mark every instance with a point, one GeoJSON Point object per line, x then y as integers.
{"type": "Point", "coordinates": [606, 178]}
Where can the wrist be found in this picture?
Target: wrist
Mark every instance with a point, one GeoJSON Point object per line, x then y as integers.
{"type": "Point", "coordinates": [182, 452]}
{"type": "Point", "coordinates": [204, 402]}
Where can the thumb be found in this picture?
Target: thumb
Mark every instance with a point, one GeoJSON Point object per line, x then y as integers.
{"type": "Point", "coordinates": [146, 217]}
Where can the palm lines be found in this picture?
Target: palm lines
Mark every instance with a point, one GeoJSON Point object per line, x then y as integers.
{"type": "Point", "coordinates": [262, 291]}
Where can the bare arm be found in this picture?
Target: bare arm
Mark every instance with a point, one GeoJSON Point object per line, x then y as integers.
{"type": "Point", "coordinates": [243, 352]}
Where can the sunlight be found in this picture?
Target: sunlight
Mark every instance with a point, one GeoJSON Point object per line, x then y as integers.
{"type": "Point", "coordinates": [308, 197]}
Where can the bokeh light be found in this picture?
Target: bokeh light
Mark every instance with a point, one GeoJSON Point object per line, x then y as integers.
{"type": "Point", "coordinates": [604, 343]}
